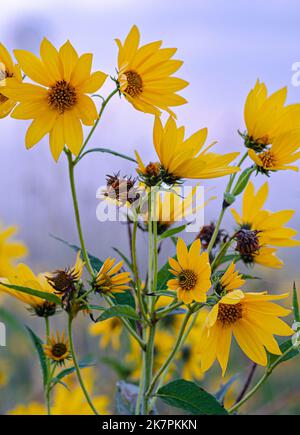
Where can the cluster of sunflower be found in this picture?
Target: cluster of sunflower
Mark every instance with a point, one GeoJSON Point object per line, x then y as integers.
{"type": "Point", "coordinates": [181, 318]}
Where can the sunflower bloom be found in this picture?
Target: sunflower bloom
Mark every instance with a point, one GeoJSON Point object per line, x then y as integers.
{"type": "Point", "coordinates": [192, 273]}
{"type": "Point", "coordinates": [145, 72]}
{"type": "Point", "coordinates": [58, 348]}
{"type": "Point", "coordinates": [187, 158]}
{"type": "Point", "coordinates": [10, 251]}
{"type": "Point", "coordinates": [279, 157]}
{"type": "Point", "coordinates": [68, 401]}
{"type": "Point", "coordinates": [23, 276]}
{"type": "Point", "coordinates": [231, 280]}
{"type": "Point", "coordinates": [110, 331]}
{"type": "Point", "coordinates": [266, 226]}
{"type": "Point", "coordinates": [253, 320]}
{"type": "Point", "coordinates": [171, 207]}
{"type": "Point", "coordinates": [58, 103]}
{"type": "Point", "coordinates": [7, 70]}
{"type": "Point", "coordinates": [266, 117]}
{"type": "Point", "coordinates": [109, 278]}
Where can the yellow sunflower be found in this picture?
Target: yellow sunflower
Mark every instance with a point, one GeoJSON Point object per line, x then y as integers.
{"type": "Point", "coordinates": [280, 155]}
{"type": "Point", "coordinates": [23, 276]}
{"type": "Point", "coordinates": [10, 250]}
{"type": "Point", "coordinates": [266, 226]}
{"type": "Point", "coordinates": [171, 207]}
{"type": "Point", "coordinates": [109, 278]}
{"type": "Point", "coordinates": [58, 348]}
{"type": "Point", "coordinates": [7, 70]}
{"type": "Point", "coordinates": [145, 72]}
{"type": "Point", "coordinates": [69, 401]}
{"type": "Point", "coordinates": [252, 318]}
{"type": "Point", "coordinates": [110, 331]}
{"type": "Point", "coordinates": [266, 117]}
{"type": "Point", "coordinates": [181, 158]}
{"type": "Point", "coordinates": [230, 280]}
{"type": "Point", "coordinates": [192, 273]}
{"type": "Point", "coordinates": [58, 103]}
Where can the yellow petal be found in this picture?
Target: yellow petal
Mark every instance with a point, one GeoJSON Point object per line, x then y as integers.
{"type": "Point", "coordinates": [39, 127]}
{"type": "Point", "coordinates": [73, 132]}
{"type": "Point", "coordinates": [33, 67]}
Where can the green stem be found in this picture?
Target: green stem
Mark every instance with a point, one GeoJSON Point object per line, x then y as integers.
{"type": "Point", "coordinates": [77, 215]}
{"type": "Point", "coordinates": [222, 252]}
{"type": "Point", "coordinates": [164, 311]}
{"type": "Point", "coordinates": [127, 325]}
{"type": "Point", "coordinates": [136, 271]}
{"type": "Point", "coordinates": [148, 366]}
{"type": "Point", "coordinates": [138, 409]}
{"type": "Point", "coordinates": [151, 305]}
{"type": "Point", "coordinates": [164, 368]}
{"type": "Point", "coordinates": [216, 231]}
{"type": "Point", "coordinates": [104, 104]}
{"type": "Point", "coordinates": [77, 369]}
{"type": "Point", "coordinates": [266, 375]}
{"type": "Point", "coordinates": [228, 188]}
{"type": "Point", "coordinates": [47, 390]}
{"type": "Point", "coordinates": [232, 177]}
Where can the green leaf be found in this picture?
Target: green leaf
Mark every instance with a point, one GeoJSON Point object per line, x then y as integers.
{"type": "Point", "coordinates": [119, 311]}
{"type": "Point", "coordinates": [97, 307]}
{"type": "Point", "coordinates": [50, 297]}
{"type": "Point", "coordinates": [284, 347]}
{"type": "Point", "coordinates": [190, 397]}
{"type": "Point", "coordinates": [124, 298]}
{"type": "Point", "coordinates": [171, 232]}
{"type": "Point", "coordinates": [96, 263]}
{"type": "Point", "coordinates": [242, 181]}
{"type": "Point", "coordinates": [38, 344]}
{"type": "Point", "coordinates": [295, 304]}
{"type": "Point", "coordinates": [108, 151]}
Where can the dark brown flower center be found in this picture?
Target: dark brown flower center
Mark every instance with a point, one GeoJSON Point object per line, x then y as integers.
{"type": "Point", "coordinates": [134, 84]}
{"type": "Point", "coordinates": [59, 350]}
{"type": "Point", "coordinates": [247, 242]}
{"type": "Point", "coordinates": [229, 314]}
{"type": "Point", "coordinates": [122, 189]}
{"type": "Point", "coordinates": [187, 279]}
{"type": "Point", "coordinates": [62, 96]}
{"type": "Point", "coordinates": [63, 280]}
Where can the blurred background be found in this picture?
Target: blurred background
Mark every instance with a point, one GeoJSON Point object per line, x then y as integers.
{"type": "Point", "coordinates": [225, 46]}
